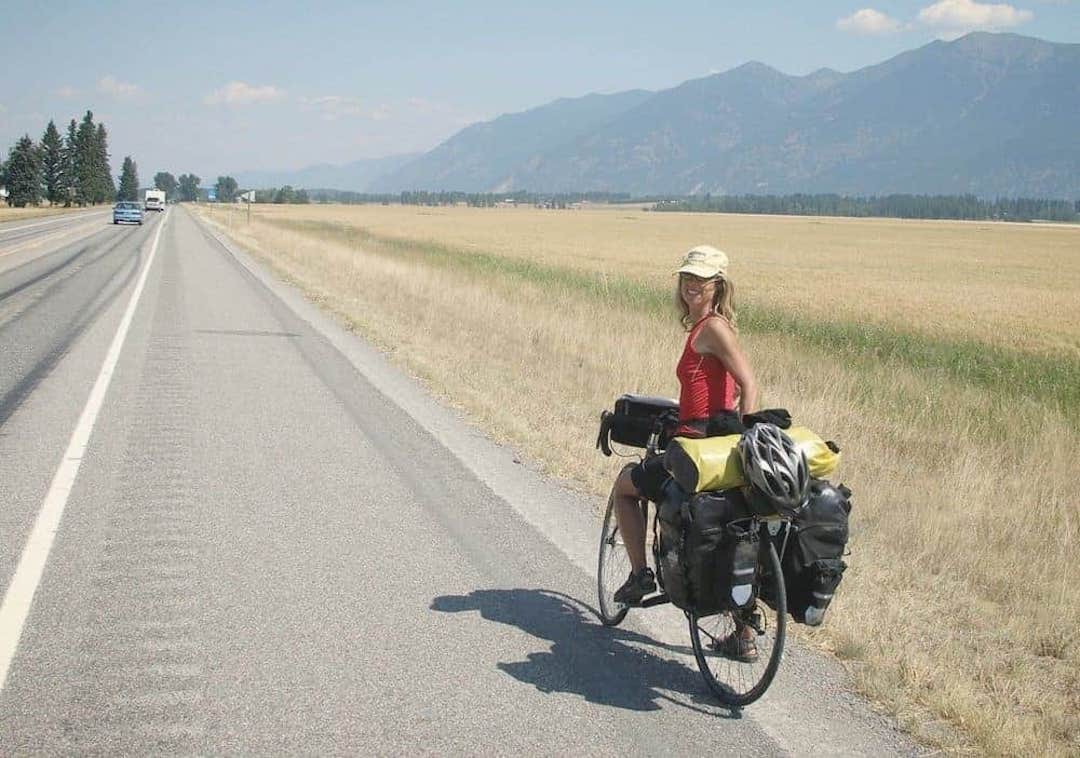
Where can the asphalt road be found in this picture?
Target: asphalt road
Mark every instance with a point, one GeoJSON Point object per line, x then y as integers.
{"type": "Point", "coordinates": [276, 543]}
{"type": "Point", "coordinates": [35, 232]}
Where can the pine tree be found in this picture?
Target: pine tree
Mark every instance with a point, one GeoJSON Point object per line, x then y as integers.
{"type": "Point", "coordinates": [23, 173]}
{"type": "Point", "coordinates": [85, 178]}
{"type": "Point", "coordinates": [68, 174]}
{"type": "Point", "coordinates": [105, 186]}
{"type": "Point", "coordinates": [129, 181]}
{"type": "Point", "coordinates": [52, 157]}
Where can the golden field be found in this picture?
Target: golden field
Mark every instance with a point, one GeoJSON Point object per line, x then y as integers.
{"type": "Point", "coordinates": [1011, 284]}
{"type": "Point", "coordinates": [17, 214]}
{"type": "Point", "coordinates": [961, 609]}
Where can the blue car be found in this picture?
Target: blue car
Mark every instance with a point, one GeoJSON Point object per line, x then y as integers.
{"type": "Point", "coordinates": [128, 212]}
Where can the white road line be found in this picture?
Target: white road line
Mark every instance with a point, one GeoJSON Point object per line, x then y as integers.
{"type": "Point", "coordinates": [20, 593]}
{"type": "Point", "coordinates": [64, 217]}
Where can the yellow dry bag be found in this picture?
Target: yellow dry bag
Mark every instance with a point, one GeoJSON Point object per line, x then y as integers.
{"type": "Point", "coordinates": [712, 463]}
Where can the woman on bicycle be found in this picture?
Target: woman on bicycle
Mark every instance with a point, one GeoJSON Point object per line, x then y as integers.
{"type": "Point", "coordinates": [714, 376]}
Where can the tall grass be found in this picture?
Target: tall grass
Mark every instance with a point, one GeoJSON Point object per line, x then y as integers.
{"type": "Point", "coordinates": [961, 606]}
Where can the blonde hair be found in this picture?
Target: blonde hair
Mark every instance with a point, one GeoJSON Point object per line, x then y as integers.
{"type": "Point", "coordinates": [723, 304]}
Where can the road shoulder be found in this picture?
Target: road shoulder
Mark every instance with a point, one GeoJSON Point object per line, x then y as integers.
{"type": "Point", "coordinates": [810, 710]}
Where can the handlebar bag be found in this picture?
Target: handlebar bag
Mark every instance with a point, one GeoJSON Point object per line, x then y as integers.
{"type": "Point", "coordinates": [633, 419]}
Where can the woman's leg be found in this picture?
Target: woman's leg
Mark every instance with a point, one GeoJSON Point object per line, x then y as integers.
{"type": "Point", "coordinates": [630, 519]}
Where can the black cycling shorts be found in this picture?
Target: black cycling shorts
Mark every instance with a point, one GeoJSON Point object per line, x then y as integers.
{"type": "Point", "coordinates": [649, 478]}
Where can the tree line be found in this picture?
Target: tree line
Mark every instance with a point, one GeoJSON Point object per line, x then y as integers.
{"type": "Point", "coordinates": [226, 190]}
{"type": "Point", "coordinates": [520, 197]}
{"type": "Point", "coordinates": [183, 188]}
{"type": "Point", "coordinates": [73, 169]}
{"type": "Point", "coordinates": [282, 195]}
{"type": "Point", "coordinates": [69, 169]}
{"type": "Point", "coordinates": [961, 207]}
{"type": "Point", "coordinates": [472, 199]}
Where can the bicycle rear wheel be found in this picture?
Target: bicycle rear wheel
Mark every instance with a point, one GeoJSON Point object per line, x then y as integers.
{"type": "Point", "coordinates": [613, 568]}
{"type": "Point", "coordinates": [736, 681]}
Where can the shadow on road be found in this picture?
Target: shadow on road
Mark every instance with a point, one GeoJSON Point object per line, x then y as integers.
{"type": "Point", "coordinates": [601, 664]}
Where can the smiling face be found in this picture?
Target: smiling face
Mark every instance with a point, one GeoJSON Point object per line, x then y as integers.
{"type": "Point", "coordinates": [697, 293]}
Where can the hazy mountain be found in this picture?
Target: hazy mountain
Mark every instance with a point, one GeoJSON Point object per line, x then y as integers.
{"type": "Point", "coordinates": [481, 156]}
{"type": "Point", "coordinates": [355, 176]}
{"type": "Point", "coordinates": [992, 114]}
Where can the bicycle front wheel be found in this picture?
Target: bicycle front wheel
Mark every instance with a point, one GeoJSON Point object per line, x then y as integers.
{"type": "Point", "coordinates": [612, 569]}
{"type": "Point", "coordinates": [734, 676]}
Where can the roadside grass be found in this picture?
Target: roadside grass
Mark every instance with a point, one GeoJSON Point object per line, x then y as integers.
{"type": "Point", "coordinates": [1009, 285]}
{"type": "Point", "coordinates": [961, 607]}
{"type": "Point", "coordinates": [17, 214]}
{"type": "Point", "coordinates": [1007, 371]}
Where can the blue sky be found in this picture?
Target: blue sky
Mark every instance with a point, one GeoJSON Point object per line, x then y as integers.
{"type": "Point", "coordinates": [231, 86]}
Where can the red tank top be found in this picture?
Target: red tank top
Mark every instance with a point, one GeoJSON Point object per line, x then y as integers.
{"type": "Point", "coordinates": [706, 386]}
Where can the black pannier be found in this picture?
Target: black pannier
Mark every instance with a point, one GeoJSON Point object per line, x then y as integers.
{"type": "Point", "coordinates": [633, 419]}
{"type": "Point", "coordinates": [708, 550]}
{"type": "Point", "coordinates": [813, 558]}
{"type": "Point", "coordinates": [669, 549]}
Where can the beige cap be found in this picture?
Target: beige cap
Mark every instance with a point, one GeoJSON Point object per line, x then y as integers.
{"type": "Point", "coordinates": [704, 261]}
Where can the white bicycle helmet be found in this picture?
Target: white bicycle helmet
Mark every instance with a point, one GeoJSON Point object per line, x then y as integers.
{"type": "Point", "coordinates": [775, 466]}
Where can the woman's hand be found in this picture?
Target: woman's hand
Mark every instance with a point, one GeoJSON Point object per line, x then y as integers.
{"type": "Point", "coordinates": [718, 339]}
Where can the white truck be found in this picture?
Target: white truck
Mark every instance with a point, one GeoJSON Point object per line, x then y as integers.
{"type": "Point", "coordinates": [154, 200]}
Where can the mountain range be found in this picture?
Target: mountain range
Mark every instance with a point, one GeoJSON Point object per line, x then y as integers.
{"type": "Point", "coordinates": [988, 114]}
{"type": "Point", "coordinates": [356, 176]}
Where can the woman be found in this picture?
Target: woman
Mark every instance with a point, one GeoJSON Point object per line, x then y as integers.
{"type": "Point", "coordinates": [711, 368]}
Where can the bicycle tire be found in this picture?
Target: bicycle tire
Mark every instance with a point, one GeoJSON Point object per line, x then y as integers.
{"type": "Point", "coordinates": [613, 566]}
{"type": "Point", "coordinates": [739, 683]}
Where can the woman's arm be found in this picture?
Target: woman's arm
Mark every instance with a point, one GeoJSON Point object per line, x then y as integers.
{"type": "Point", "coordinates": [718, 339]}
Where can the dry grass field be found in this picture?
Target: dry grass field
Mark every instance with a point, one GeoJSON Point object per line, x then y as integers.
{"type": "Point", "coordinates": [955, 406]}
{"type": "Point", "coordinates": [1010, 284]}
{"type": "Point", "coordinates": [18, 214]}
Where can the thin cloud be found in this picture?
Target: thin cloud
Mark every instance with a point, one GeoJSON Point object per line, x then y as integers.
{"type": "Point", "coordinates": [425, 107]}
{"type": "Point", "coordinates": [868, 21]}
{"type": "Point", "coordinates": [959, 16]}
{"type": "Point", "coordinates": [333, 107]}
{"type": "Point", "coordinates": [66, 92]}
{"type": "Point", "coordinates": [113, 87]}
{"type": "Point", "coordinates": [242, 93]}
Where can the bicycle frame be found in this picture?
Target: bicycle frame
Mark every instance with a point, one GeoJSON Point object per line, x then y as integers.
{"type": "Point", "coordinates": [735, 676]}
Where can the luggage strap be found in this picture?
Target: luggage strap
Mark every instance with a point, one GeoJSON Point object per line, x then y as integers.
{"type": "Point", "coordinates": [603, 440]}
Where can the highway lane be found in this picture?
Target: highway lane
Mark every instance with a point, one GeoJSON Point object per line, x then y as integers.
{"type": "Point", "coordinates": [19, 235]}
{"type": "Point", "coordinates": [58, 301]}
{"type": "Point", "coordinates": [48, 300]}
{"type": "Point", "coordinates": [16, 228]}
{"type": "Point", "coordinates": [263, 553]}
